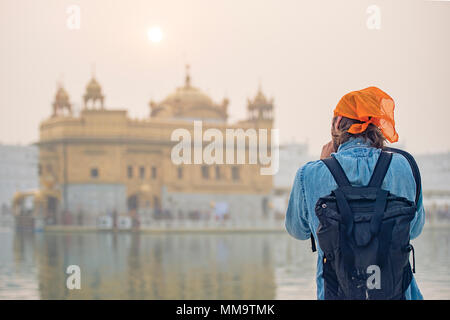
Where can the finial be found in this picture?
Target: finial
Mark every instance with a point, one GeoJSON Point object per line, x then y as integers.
{"type": "Point", "coordinates": [259, 85]}
{"type": "Point", "coordinates": [188, 77]}
{"type": "Point", "coordinates": [93, 70]}
{"type": "Point", "coordinates": [60, 81]}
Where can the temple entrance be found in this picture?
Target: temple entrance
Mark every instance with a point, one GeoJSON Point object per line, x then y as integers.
{"type": "Point", "coordinates": [133, 202]}
{"type": "Point", "coordinates": [52, 209]}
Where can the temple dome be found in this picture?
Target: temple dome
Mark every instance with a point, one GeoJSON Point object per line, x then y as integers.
{"type": "Point", "coordinates": [61, 104]}
{"type": "Point", "coordinates": [93, 87]}
{"type": "Point", "coordinates": [188, 96]}
{"type": "Point", "coordinates": [62, 97]}
{"type": "Point", "coordinates": [93, 93]}
{"type": "Point", "coordinates": [260, 107]}
{"type": "Point", "coordinates": [189, 102]}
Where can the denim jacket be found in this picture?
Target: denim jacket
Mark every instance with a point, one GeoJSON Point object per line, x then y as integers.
{"type": "Point", "coordinates": [358, 160]}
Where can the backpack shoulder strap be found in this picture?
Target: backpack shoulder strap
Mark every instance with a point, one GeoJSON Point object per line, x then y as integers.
{"type": "Point", "coordinates": [337, 171]}
{"type": "Point", "coordinates": [414, 168]}
{"type": "Point", "coordinates": [382, 166]}
{"type": "Point", "coordinates": [313, 243]}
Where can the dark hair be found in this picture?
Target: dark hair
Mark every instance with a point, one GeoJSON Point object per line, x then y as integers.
{"type": "Point", "coordinates": [372, 133]}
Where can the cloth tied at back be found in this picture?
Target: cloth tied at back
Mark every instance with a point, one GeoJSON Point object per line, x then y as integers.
{"type": "Point", "coordinates": [370, 105]}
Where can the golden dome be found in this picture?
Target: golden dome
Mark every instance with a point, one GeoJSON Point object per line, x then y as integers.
{"type": "Point", "coordinates": [61, 102]}
{"type": "Point", "coordinates": [93, 93]}
{"type": "Point", "coordinates": [189, 102]}
{"type": "Point", "coordinates": [61, 95]}
{"type": "Point", "coordinates": [188, 96]}
{"type": "Point", "coordinates": [260, 107]}
{"type": "Point", "coordinates": [93, 88]}
{"type": "Point", "coordinates": [260, 99]}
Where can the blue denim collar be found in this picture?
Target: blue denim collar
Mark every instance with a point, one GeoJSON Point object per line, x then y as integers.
{"type": "Point", "coordinates": [353, 143]}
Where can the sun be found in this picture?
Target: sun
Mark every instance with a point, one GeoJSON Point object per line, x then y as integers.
{"type": "Point", "coordinates": [155, 34]}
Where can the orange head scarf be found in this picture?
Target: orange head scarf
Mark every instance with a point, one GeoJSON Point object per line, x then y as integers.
{"type": "Point", "coordinates": [370, 105]}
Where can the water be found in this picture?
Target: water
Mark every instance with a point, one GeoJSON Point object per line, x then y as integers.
{"type": "Point", "coordinates": [185, 266]}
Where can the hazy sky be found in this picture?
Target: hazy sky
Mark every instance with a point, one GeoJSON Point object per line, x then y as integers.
{"type": "Point", "coordinates": [307, 54]}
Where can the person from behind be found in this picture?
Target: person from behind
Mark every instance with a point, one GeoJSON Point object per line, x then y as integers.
{"type": "Point", "coordinates": [362, 202]}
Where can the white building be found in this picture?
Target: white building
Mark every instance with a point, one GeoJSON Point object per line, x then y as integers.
{"type": "Point", "coordinates": [435, 172]}
{"type": "Point", "coordinates": [18, 172]}
{"type": "Point", "coordinates": [292, 157]}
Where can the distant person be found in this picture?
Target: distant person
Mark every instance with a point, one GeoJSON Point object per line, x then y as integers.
{"type": "Point", "coordinates": [362, 202]}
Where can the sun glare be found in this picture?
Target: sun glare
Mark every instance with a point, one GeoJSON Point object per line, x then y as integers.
{"type": "Point", "coordinates": [155, 34]}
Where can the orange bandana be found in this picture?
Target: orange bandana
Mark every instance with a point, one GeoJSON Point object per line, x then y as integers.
{"type": "Point", "coordinates": [370, 105]}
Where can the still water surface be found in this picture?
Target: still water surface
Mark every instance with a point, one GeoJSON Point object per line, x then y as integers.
{"type": "Point", "coordinates": [185, 266]}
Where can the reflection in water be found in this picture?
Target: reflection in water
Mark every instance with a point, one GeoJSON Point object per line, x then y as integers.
{"type": "Point", "coordinates": [184, 266]}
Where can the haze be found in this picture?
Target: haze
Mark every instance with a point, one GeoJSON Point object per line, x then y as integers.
{"type": "Point", "coordinates": [305, 54]}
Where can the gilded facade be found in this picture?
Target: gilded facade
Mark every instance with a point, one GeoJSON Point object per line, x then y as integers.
{"type": "Point", "coordinates": [102, 162]}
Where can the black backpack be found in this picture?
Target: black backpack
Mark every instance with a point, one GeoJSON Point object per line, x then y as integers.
{"type": "Point", "coordinates": [364, 234]}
